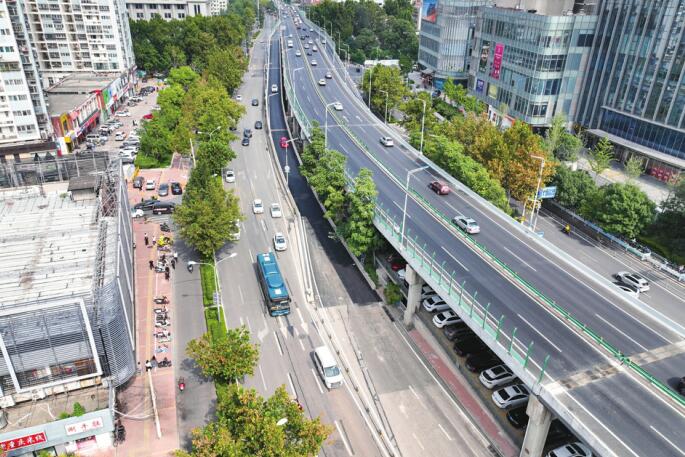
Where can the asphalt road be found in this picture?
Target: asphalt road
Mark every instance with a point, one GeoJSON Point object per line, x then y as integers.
{"type": "Point", "coordinates": [651, 431]}
{"type": "Point", "coordinates": [285, 342]}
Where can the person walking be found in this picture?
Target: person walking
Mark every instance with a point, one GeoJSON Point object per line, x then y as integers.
{"type": "Point", "coordinates": [175, 255]}
{"type": "Point", "coordinates": [147, 240]}
{"type": "Point", "coordinates": [173, 263]}
{"type": "Point", "coordinates": [148, 365]}
{"type": "Point", "coordinates": [152, 265]}
{"type": "Point", "coordinates": [154, 239]}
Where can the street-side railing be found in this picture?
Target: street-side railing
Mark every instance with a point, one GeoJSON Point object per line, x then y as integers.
{"type": "Point", "coordinates": [574, 322]}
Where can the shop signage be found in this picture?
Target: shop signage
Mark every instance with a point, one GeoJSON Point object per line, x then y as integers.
{"type": "Point", "coordinates": [85, 426]}
{"type": "Point", "coordinates": [497, 61]}
{"type": "Point", "coordinates": [23, 441]}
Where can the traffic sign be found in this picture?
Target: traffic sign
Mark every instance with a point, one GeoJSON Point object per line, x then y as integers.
{"type": "Point", "coordinates": [547, 192]}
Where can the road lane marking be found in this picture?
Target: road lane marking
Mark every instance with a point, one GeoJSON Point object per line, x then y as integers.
{"type": "Point", "coordinates": [299, 314]}
{"type": "Point", "coordinates": [299, 340]}
{"type": "Point", "coordinates": [401, 209]}
{"type": "Point", "coordinates": [454, 258]}
{"type": "Point", "coordinates": [445, 433]}
{"type": "Point", "coordinates": [417, 397]}
{"type": "Point", "coordinates": [263, 224]}
{"type": "Point", "coordinates": [316, 380]}
{"type": "Point", "coordinates": [240, 292]}
{"type": "Point", "coordinates": [418, 441]}
{"type": "Point", "coordinates": [519, 258]}
{"type": "Point", "coordinates": [261, 373]}
{"type": "Point", "coordinates": [667, 440]}
{"type": "Point", "coordinates": [292, 386]}
{"type": "Point", "coordinates": [278, 343]}
{"type": "Point", "coordinates": [621, 332]}
{"type": "Point", "coordinates": [539, 333]}
{"type": "Point", "coordinates": [241, 321]}
{"type": "Point", "coordinates": [249, 327]}
{"type": "Point", "coordinates": [343, 438]}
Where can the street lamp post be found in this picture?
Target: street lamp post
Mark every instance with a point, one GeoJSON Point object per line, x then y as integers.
{"type": "Point", "coordinates": [370, 75]}
{"type": "Point", "coordinates": [423, 124]}
{"type": "Point", "coordinates": [406, 196]}
{"type": "Point", "coordinates": [387, 95]}
{"type": "Point", "coordinates": [286, 169]}
{"type": "Point", "coordinates": [347, 52]}
{"type": "Point", "coordinates": [210, 133]}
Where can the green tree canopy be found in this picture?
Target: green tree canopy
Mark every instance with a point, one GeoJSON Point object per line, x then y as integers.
{"type": "Point", "coordinates": [216, 154]}
{"type": "Point", "coordinates": [560, 143]}
{"type": "Point", "coordinates": [227, 65]}
{"type": "Point", "coordinates": [225, 359]}
{"type": "Point", "coordinates": [620, 208]}
{"type": "Point", "coordinates": [360, 233]}
{"type": "Point", "coordinates": [601, 156]}
{"type": "Point", "coordinates": [386, 85]}
{"type": "Point", "coordinates": [185, 77]}
{"type": "Point", "coordinates": [573, 187]}
{"type": "Point", "coordinates": [207, 217]}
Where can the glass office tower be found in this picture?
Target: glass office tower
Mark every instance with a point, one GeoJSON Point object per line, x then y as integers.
{"type": "Point", "coordinates": [634, 89]}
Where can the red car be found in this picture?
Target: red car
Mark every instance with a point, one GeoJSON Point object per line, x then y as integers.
{"type": "Point", "coordinates": [439, 188]}
{"type": "Point", "coordinates": [148, 116]}
{"type": "Point", "coordinates": [284, 142]}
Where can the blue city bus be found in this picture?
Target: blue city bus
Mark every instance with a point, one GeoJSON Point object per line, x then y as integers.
{"type": "Point", "coordinates": [273, 285]}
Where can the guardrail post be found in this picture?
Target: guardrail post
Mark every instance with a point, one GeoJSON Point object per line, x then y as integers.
{"type": "Point", "coordinates": [475, 294]}
{"type": "Point", "coordinates": [530, 347]}
{"type": "Point", "coordinates": [424, 250]}
{"type": "Point", "coordinates": [499, 327]}
{"type": "Point", "coordinates": [430, 272]}
{"type": "Point", "coordinates": [442, 268]}
{"type": "Point", "coordinates": [544, 368]}
{"type": "Point", "coordinates": [511, 342]}
{"type": "Point", "coordinates": [449, 289]}
{"type": "Point", "coordinates": [461, 292]}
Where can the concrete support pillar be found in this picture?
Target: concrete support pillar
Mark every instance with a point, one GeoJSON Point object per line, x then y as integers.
{"type": "Point", "coordinates": [413, 295]}
{"type": "Point", "coordinates": [539, 418]}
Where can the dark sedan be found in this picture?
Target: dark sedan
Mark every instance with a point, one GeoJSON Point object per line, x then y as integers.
{"type": "Point", "coordinates": [255, 102]}
{"type": "Point", "coordinates": [482, 361]}
{"type": "Point", "coordinates": [176, 188]}
{"type": "Point", "coordinates": [258, 125]}
{"type": "Point", "coordinates": [163, 208]}
{"type": "Point", "coordinates": [246, 141]}
{"type": "Point", "coordinates": [145, 205]}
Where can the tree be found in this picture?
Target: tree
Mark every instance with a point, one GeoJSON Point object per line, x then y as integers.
{"type": "Point", "coordinates": [228, 66]}
{"type": "Point", "coordinates": [413, 110]}
{"type": "Point", "coordinates": [312, 151]}
{"type": "Point", "coordinates": [573, 187]}
{"type": "Point", "coordinates": [154, 142]}
{"type": "Point", "coordinates": [620, 208]}
{"type": "Point", "coordinates": [360, 233]}
{"type": "Point", "coordinates": [601, 156]}
{"type": "Point", "coordinates": [183, 76]}
{"type": "Point", "coordinates": [248, 425]}
{"type": "Point", "coordinates": [560, 143]}
{"type": "Point", "coordinates": [667, 230]}
{"type": "Point", "coordinates": [216, 154]}
{"type": "Point", "coordinates": [329, 175]}
{"type": "Point", "coordinates": [227, 358]}
{"type": "Point", "coordinates": [207, 217]}
{"type": "Point", "coordinates": [386, 85]}
{"type": "Point", "coordinates": [635, 166]}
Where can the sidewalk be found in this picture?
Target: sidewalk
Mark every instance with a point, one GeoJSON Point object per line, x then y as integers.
{"type": "Point", "coordinates": [134, 399]}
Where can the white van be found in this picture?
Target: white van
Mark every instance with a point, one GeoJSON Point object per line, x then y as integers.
{"type": "Point", "coordinates": [327, 367]}
{"type": "Point", "coordinates": [290, 43]}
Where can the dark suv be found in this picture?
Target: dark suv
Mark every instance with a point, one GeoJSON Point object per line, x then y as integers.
{"type": "Point", "coordinates": [139, 182]}
{"type": "Point", "coordinates": [146, 205]}
{"type": "Point", "coordinates": [163, 208]}
{"type": "Point", "coordinates": [176, 188]}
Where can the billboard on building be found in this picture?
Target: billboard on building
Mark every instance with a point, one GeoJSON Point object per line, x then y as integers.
{"type": "Point", "coordinates": [480, 84]}
{"type": "Point", "coordinates": [492, 91]}
{"type": "Point", "coordinates": [429, 10]}
{"type": "Point", "coordinates": [484, 53]}
{"type": "Point", "coordinates": [497, 60]}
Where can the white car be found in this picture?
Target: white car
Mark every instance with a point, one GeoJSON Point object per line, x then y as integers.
{"type": "Point", "coordinates": [444, 318]}
{"type": "Point", "coordinates": [496, 376]}
{"type": "Point", "coordinates": [633, 279]}
{"type": "Point", "coordinates": [435, 303]}
{"type": "Point", "coordinates": [274, 88]}
{"type": "Point", "coordinates": [315, 49]}
{"type": "Point", "coordinates": [466, 224]}
{"type": "Point", "coordinates": [510, 396]}
{"type": "Point", "coordinates": [279, 242]}
{"type": "Point", "coordinates": [257, 206]}
{"type": "Point", "coordinates": [276, 210]}
{"type": "Point", "coordinates": [298, 53]}
{"type": "Point", "coordinates": [337, 106]}
{"type": "Point", "coordinates": [122, 114]}
{"type": "Point", "coordinates": [150, 184]}
{"type": "Point", "coordinates": [387, 141]}
{"type": "Point", "coordinates": [313, 62]}
{"type": "Point", "coordinates": [329, 75]}
{"type": "Point", "coordinates": [230, 175]}
{"type": "Point", "coordinates": [119, 136]}
{"type": "Point", "coordinates": [310, 42]}
{"type": "Point", "coordinates": [306, 46]}
{"type": "Point", "coordinates": [322, 82]}
{"type": "Point", "coordinates": [239, 97]}
{"type": "Point", "coordinates": [571, 450]}
{"type": "Point", "coordinates": [427, 291]}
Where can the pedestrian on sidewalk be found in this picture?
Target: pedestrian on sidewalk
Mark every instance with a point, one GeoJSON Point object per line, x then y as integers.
{"type": "Point", "coordinates": [147, 240]}
{"type": "Point", "coordinates": [173, 263]}
{"type": "Point", "coordinates": [166, 274]}
{"type": "Point", "coordinates": [154, 239]}
{"type": "Point", "coordinates": [152, 265]}
{"type": "Point", "coordinates": [148, 365]}
{"type": "Point", "coordinates": [163, 258]}
{"type": "Point", "coordinates": [175, 255]}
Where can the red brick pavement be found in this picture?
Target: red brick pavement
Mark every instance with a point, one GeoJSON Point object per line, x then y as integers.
{"type": "Point", "coordinates": [141, 434]}
{"type": "Point", "coordinates": [464, 395]}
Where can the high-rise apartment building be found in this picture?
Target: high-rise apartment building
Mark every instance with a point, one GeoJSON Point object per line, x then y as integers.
{"type": "Point", "coordinates": [69, 36]}
{"type": "Point", "coordinates": [634, 88]}
{"type": "Point", "coordinates": [23, 114]}
{"type": "Point", "coordinates": [445, 39]}
{"type": "Point", "coordinates": [528, 61]}
{"type": "Point", "coordinates": [174, 9]}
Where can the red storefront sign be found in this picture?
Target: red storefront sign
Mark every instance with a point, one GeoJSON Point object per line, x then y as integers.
{"type": "Point", "coordinates": [85, 426]}
{"type": "Point", "coordinates": [23, 441]}
{"type": "Point", "coordinates": [497, 60]}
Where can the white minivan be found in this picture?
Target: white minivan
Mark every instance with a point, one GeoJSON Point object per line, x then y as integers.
{"type": "Point", "coordinates": [327, 367]}
{"type": "Point", "coordinates": [274, 88]}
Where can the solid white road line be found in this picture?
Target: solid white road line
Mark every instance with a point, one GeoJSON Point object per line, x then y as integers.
{"type": "Point", "coordinates": [343, 438]}
{"type": "Point", "coordinates": [316, 380]}
{"type": "Point", "coordinates": [539, 333]}
{"type": "Point", "coordinates": [445, 433]}
{"type": "Point", "coordinates": [241, 321]}
{"type": "Point", "coordinates": [278, 343]}
{"type": "Point", "coordinates": [240, 292]}
{"type": "Point", "coordinates": [297, 336]}
{"type": "Point", "coordinates": [668, 441]}
{"type": "Point", "coordinates": [249, 327]}
{"type": "Point", "coordinates": [261, 374]}
{"type": "Point", "coordinates": [519, 258]}
{"type": "Point", "coordinates": [292, 386]}
{"type": "Point", "coordinates": [401, 208]}
{"type": "Point", "coordinates": [299, 314]}
{"type": "Point", "coordinates": [619, 331]}
{"type": "Point", "coordinates": [454, 258]}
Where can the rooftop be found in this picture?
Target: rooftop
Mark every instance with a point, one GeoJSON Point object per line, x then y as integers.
{"type": "Point", "coordinates": [75, 90]}
{"type": "Point", "coordinates": [48, 243]}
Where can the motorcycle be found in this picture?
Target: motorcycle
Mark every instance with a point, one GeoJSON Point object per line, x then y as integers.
{"type": "Point", "coordinates": [162, 310]}
{"type": "Point", "coordinates": [190, 267]}
{"type": "Point", "coordinates": [161, 300]}
{"type": "Point", "coordinates": [162, 334]}
{"type": "Point", "coordinates": [162, 324]}
{"type": "Point", "coordinates": [164, 363]}
{"type": "Point", "coordinates": [164, 227]}
{"type": "Point", "coordinates": [181, 384]}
